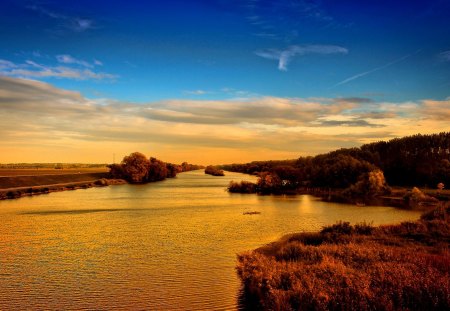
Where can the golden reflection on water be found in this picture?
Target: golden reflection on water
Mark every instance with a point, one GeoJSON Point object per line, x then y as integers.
{"type": "Point", "coordinates": [163, 246]}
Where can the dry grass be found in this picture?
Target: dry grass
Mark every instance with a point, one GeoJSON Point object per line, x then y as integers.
{"type": "Point", "coordinates": [344, 267]}
{"type": "Point", "coordinates": [45, 171]}
{"type": "Point", "coordinates": [49, 179]}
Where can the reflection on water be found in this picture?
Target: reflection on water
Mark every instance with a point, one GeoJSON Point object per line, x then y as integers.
{"type": "Point", "coordinates": [167, 245]}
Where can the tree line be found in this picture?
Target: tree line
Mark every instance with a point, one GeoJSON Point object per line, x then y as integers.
{"type": "Point", "coordinates": [420, 160]}
{"type": "Point", "coordinates": [137, 168]}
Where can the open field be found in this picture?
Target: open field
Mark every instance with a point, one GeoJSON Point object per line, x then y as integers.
{"type": "Point", "coordinates": [4, 172]}
{"type": "Point", "coordinates": [19, 181]}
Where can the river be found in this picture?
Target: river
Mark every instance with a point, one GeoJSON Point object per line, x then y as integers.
{"type": "Point", "coordinates": [168, 245]}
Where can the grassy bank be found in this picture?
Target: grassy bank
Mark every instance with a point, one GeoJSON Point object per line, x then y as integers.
{"type": "Point", "coordinates": [41, 180]}
{"type": "Point", "coordinates": [345, 267]}
{"type": "Point", "coordinates": [17, 185]}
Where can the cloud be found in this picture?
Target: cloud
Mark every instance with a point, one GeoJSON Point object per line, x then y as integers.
{"type": "Point", "coordinates": [73, 23]}
{"type": "Point", "coordinates": [67, 59]}
{"type": "Point", "coordinates": [445, 56]}
{"type": "Point", "coordinates": [31, 69]}
{"type": "Point", "coordinates": [196, 92]}
{"type": "Point", "coordinates": [360, 75]}
{"type": "Point", "coordinates": [80, 25]}
{"type": "Point", "coordinates": [285, 56]}
{"type": "Point", "coordinates": [41, 122]}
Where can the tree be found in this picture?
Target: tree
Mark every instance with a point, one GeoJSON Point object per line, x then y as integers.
{"type": "Point", "coordinates": [370, 184]}
{"type": "Point", "coordinates": [157, 170]}
{"type": "Point", "coordinates": [116, 171]}
{"type": "Point", "coordinates": [173, 170]}
{"type": "Point", "coordinates": [269, 182]}
{"type": "Point", "coordinates": [135, 167]}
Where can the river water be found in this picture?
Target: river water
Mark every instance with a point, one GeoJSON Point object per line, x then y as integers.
{"type": "Point", "coordinates": [168, 245]}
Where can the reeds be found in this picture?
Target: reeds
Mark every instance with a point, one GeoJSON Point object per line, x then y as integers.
{"type": "Point", "coordinates": [361, 267]}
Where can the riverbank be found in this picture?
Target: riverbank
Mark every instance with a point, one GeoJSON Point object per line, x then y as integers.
{"type": "Point", "coordinates": [360, 267]}
{"type": "Point", "coordinates": [413, 198]}
{"type": "Point", "coordinates": [17, 185]}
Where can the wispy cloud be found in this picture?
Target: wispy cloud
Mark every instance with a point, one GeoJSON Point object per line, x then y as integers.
{"type": "Point", "coordinates": [196, 92]}
{"type": "Point", "coordinates": [445, 56]}
{"type": "Point", "coordinates": [285, 56]}
{"type": "Point", "coordinates": [67, 59]}
{"type": "Point", "coordinates": [362, 74]}
{"type": "Point", "coordinates": [32, 69]}
{"type": "Point", "coordinates": [179, 130]}
{"type": "Point", "coordinates": [76, 24]}
{"type": "Point", "coordinates": [283, 19]}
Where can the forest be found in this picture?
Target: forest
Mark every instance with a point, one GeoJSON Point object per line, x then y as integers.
{"type": "Point", "coordinates": [419, 160]}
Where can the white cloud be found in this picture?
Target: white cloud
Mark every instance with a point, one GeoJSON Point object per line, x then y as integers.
{"type": "Point", "coordinates": [285, 56]}
{"type": "Point", "coordinates": [67, 59]}
{"type": "Point", "coordinates": [39, 114]}
{"type": "Point", "coordinates": [32, 69]}
{"type": "Point", "coordinates": [196, 92]}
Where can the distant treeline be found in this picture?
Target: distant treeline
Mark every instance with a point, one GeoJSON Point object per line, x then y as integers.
{"type": "Point", "coordinates": [50, 165]}
{"type": "Point", "coordinates": [137, 168]}
{"type": "Point", "coordinates": [419, 160]}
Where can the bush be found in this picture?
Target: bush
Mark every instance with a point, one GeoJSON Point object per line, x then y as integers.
{"type": "Point", "coordinates": [214, 171]}
{"type": "Point", "coordinates": [242, 187]}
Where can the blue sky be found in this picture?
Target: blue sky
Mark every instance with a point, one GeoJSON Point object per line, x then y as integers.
{"type": "Point", "coordinates": [148, 52]}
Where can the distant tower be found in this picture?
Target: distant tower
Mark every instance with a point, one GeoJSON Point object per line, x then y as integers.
{"type": "Point", "coordinates": [114, 158]}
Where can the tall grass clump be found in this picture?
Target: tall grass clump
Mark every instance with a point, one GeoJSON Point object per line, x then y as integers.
{"type": "Point", "coordinates": [360, 267]}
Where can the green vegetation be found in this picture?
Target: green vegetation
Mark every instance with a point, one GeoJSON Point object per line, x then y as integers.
{"type": "Point", "coordinates": [214, 171]}
{"type": "Point", "coordinates": [361, 267]}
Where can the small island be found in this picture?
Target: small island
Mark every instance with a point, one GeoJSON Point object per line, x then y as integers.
{"type": "Point", "coordinates": [214, 171]}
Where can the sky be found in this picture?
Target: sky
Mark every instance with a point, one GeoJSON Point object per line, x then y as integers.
{"type": "Point", "coordinates": [218, 81]}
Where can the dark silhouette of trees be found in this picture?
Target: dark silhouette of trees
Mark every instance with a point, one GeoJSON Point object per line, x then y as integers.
{"type": "Point", "coordinates": [214, 171]}
{"type": "Point", "coordinates": [421, 160]}
{"type": "Point", "coordinates": [157, 170]}
{"type": "Point", "coordinates": [135, 167]}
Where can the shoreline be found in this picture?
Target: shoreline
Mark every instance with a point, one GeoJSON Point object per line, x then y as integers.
{"type": "Point", "coordinates": [14, 187]}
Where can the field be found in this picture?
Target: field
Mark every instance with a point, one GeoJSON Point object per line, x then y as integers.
{"type": "Point", "coordinates": [7, 172]}
{"type": "Point", "coordinates": [15, 183]}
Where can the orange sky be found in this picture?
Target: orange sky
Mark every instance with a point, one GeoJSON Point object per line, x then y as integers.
{"type": "Point", "coordinates": [42, 123]}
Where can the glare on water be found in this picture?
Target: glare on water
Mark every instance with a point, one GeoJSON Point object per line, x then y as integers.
{"type": "Point", "coordinates": [166, 245]}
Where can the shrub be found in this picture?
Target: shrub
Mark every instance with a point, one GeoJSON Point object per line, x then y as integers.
{"type": "Point", "coordinates": [214, 171]}
{"type": "Point", "coordinates": [242, 187]}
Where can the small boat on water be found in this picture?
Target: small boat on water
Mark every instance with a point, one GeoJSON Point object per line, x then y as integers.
{"type": "Point", "coordinates": [360, 204]}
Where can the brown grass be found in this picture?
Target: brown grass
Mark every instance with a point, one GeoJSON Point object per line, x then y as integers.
{"type": "Point", "coordinates": [45, 171]}
{"type": "Point", "coordinates": [344, 267]}
{"type": "Point", "coordinates": [44, 179]}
